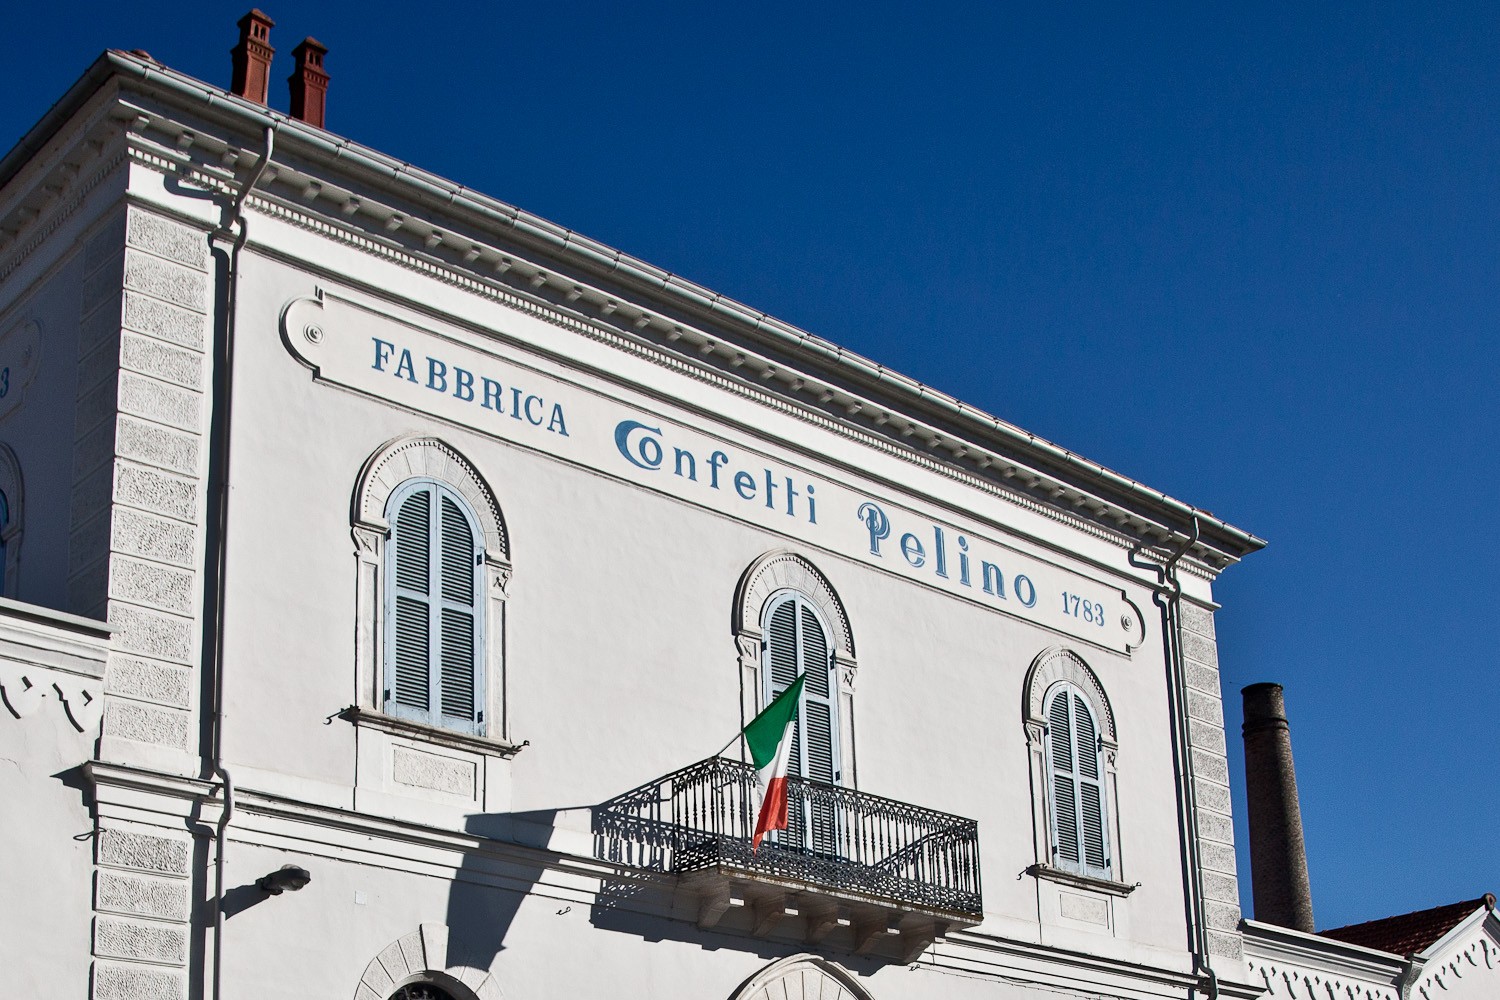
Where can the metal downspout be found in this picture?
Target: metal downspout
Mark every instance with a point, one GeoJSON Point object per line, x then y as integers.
{"type": "Point", "coordinates": [1168, 596]}
{"type": "Point", "coordinates": [233, 225]}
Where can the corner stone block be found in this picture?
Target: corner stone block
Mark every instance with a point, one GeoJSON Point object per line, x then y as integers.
{"type": "Point", "coordinates": [105, 245]}
{"type": "Point", "coordinates": [1211, 795]}
{"type": "Point", "coordinates": [153, 444]}
{"type": "Point", "coordinates": [1220, 888]}
{"type": "Point", "coordinates": [150, 633]}
{"type": "Point", "coordinates": [164, 361]}
{"type": "Point", "coordinates": [1201, 678]}
{"type": "Point", "coordinates": [101, 290]}
{"type": "Point", "coordinates": [1230, 946]}
{"type": "Point", "coordinates": [166, 280]}
{"type": "Point", "coordinates": [123, 849]}
{"type": "Point", "coordinates": [118, 938]}
{"type": "Point", "coordinates": [1207, 735]}
{"type": "Point", "coordinates": [144, 723]}
{"type": "Point", "coordinates": [1215, 826]}
{"type": "Point", "coordinates": [1210, 766]}
{"type": "Point", "coordinates": [115, 981]}
{"type": "Point", "coordinates": [156, 400]}
{"type": "Point", "coordinates": [148, 681]}
{"type": "Point", "coordinates": [1223, 916]}
{"type": "Point", "coordinates": [166, 238]}
{"type": "Point", "coordinates": [1217, 858]}
{"type": "Point", "coordinates": [1196, 647]}
{"type": "Point", "coordinates": [140, 534]}
{"type": "Point", "coordinates": [141, 896]}
{"type": "Point", "coordinates": [151, 584]}
{"type": "Point", "coordinates": [163, 321]}
{"type": "Point", "coordinates": [156, 492]}
{"type": "Point", "coordinates": [1196, 619]}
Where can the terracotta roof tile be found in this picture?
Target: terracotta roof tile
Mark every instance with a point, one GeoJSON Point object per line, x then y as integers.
{"type": "Point", "coordinates": [1408, 933]}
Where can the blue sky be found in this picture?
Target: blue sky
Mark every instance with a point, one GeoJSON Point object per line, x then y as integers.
{"type": "Point", "coordinates": [1248, 257]}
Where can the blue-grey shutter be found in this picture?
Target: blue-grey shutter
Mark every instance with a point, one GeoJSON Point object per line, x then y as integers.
{"type": "Point", "coordinates": [457, 647]}
{"type": "Point", "coordinates": [796, 642]}
{"type": "Point", "coordinates": [1090, 790]}
{"type": "Point", "coordinates": [435, 638]}
{"type": "Point", "coordinates": [411, 645]}
{"type": "Point", "coordinates": [1064, 788]}
{"type": "Point", "coordinates": [1076, 780]}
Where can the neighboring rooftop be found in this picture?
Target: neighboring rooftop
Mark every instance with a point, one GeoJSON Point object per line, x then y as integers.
{"type": "Point", "coordinates": [1409, 933]}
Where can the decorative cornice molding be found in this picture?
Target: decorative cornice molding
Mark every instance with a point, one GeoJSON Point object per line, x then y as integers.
{"type": "Point", "coordinates": [595, 312]}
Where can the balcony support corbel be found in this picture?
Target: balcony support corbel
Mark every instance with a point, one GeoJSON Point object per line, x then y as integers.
{"type": "Point", "coordinates": [917, 940]}
{"type": "Point", "coordinates": [823, 919]}
{"type": "Point", "coordinates": [868, 933]}
{"type": "Point", "coordinates": [714, 902]}
{"type": "Point", "coordinates": [770, 911]}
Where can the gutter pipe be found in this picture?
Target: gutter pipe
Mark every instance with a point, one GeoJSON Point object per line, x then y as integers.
{"type": "Point", "coordinates": [1168, 596]}
{"type": "Point", "coordinates": [232, 226]}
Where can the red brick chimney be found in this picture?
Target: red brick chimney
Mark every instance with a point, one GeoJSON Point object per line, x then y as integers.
{"type": "Point", "coordinates": [252, 57]}
{"type": "Point", "coordinates": [309, 82]}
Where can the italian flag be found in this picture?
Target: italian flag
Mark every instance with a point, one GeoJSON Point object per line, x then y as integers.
{"type": "Point", "coordinates": [769, 737]}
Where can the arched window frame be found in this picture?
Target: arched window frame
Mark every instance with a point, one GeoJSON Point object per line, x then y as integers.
{"type": "Point", "coordinates": [421, 956]}
{"type": "Point", "coordinates": [769, 578]}
{"type": "Point", "coordinates": [13, 491]}
{"type": "Point", "coordinates": [1055, 671]}
{"type": "Point", "coordinates": [393, 466]}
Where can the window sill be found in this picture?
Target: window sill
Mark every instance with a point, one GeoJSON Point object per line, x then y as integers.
{"type": "Point", "coordinates": [1104, 885]}
{"type": "Point", "coordinates": [431, 734]}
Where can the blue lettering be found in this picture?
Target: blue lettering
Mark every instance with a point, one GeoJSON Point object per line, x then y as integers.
{"type": "Point", "coordinates": [1028, 597]}
{"type": "Point", "coordinates": [405, 365]}
{"type": "Point", "coordinates": [994, 580]}
{"type": "Point", "coordinates": [744, 485]}
{"type": "Point", "coordinates": [535, 421]}
{"type": "Point", "coordinates": [648, 450]}
{"type": "Point", "coordinates": [911, 548]}
{"type": "Point", "coordinates": [463, 384]}
{"type": "Point", "coordinates": [940, 551]}
{"type": "Point", "coordinates": [556, 425]}
{"type": "Point", "coordinates": [876, 523]}
{"type": "Point", "coordinates": [492, 390]}
{"type": "Point", "coordinates": [685, 458]}
{"type": "Point", "coordinates": [963, 561]}
{"type": "Point", "coordinates": [715, 460]}
{"type": "Point", "coordinates": [437, 375]}
{"type": "Point", "coordinates": [381, 357]}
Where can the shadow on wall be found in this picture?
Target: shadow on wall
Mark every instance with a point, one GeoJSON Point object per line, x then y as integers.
{"type": "Point", "coordinates": [639, 896]}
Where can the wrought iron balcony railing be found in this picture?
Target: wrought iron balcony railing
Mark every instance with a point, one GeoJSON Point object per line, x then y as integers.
{"type": "Point", "coordinates": [849, 842]}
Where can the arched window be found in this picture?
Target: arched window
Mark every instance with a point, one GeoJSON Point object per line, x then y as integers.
{"type": "Point", "coordinates": [433, 561]}
{"type": "Point", "coordinates": [796, 642]}
{"type": "Point", "coordinates": [1070, 731]}
{"type": "Point", "coordinates": [1075, 781]}
{"type": "Point", "coordinates": [434, 642]}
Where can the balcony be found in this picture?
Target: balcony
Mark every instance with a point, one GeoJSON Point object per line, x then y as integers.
{"type": "Point", "coordinates": [859, 871]}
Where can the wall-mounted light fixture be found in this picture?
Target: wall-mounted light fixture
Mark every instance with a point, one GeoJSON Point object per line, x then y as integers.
{"type": "Point", "coordinates": [284, 878]}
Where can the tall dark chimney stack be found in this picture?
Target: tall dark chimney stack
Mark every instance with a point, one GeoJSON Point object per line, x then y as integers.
{"type": "Point", "coordinates": [252, 57]}
{"type": "Point", "coordinates": [1278, 859]}
{"type": "Point", "coordinates": [309, 82]}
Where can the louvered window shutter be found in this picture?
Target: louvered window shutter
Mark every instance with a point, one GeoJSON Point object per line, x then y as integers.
{"type": "Point", "coordinates": [434, 649]}
{"type": "Point", "coordinates": [796, 642]}
{"type": "Point", "coordinates": [1077, 785]}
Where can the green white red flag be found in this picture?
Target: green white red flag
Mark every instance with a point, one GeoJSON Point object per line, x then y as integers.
{"type": "Point", "coordinates": [769, 737]}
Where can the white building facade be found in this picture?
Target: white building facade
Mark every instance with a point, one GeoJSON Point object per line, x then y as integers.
{"type": "Point", "coordinates": [358, 523]}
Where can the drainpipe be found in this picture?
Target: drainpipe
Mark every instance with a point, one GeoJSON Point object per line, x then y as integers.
{"type": "Point", "coordinates": [233, 228]}
{"type": "Point", "coordinates": [1168, 597]}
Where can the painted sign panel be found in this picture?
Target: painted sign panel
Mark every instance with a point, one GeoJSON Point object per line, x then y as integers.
{"type": "Point", "coordinates": [508, 397]}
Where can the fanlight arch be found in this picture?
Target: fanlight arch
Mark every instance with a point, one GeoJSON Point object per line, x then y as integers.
{"type": "Point", "coordinates": [801, 977]}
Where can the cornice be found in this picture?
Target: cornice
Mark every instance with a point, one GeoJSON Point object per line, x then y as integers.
{"type": "Point", "coordinates": [627, 301]}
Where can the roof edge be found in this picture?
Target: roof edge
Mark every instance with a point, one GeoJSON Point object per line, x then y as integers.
{"type": "Point", "coordinates": [1175, 516]}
